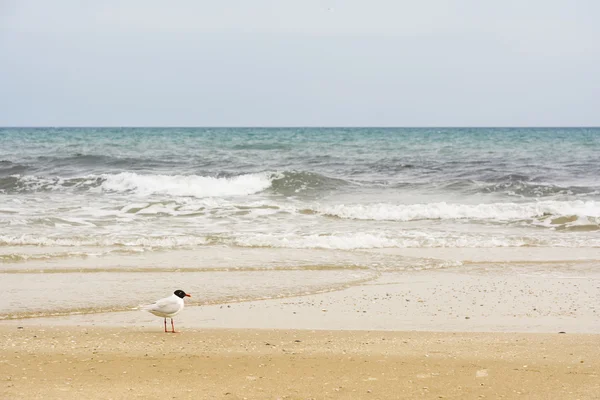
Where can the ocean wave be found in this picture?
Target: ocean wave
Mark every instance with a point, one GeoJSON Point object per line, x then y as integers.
{"type": "Point", "coordinates": [448, 211]}
{"type": "Point", "coordinates": [520, 188]}
{"type": "Point", "coordinates": [33, 183]}
{"type": "Point", "coordinates": [143, 185]}
{"type": "Point", "coordinates": [186, 185]}
{"type": "Point", "coordinates": [8, 168]}
{"type": "Point", "coordinates": [508, 185]}
{"type": "Point", "coordinates": [98, 162]}
{"type": "Point", "coordinates": [287, 183]}
{"type": "Point", "coordinates": [298, 182]}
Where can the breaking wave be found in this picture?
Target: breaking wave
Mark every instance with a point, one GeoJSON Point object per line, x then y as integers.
{"type": "Point", "coordinates": [445, 211]}
{"type": "Point", "coordinates": [284, 183]}
{"type": "Point", "coordinates": [182, 185]}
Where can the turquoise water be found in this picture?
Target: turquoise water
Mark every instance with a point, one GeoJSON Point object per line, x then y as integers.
{"type": "Point", "coordinates": [311, 188]}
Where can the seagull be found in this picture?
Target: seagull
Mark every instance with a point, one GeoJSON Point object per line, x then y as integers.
{"type": "Point", "coordinates": [168, 307]}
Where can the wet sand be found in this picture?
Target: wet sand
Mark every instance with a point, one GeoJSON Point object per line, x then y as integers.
{"type": "Point", "coordinates": [115, 363]}
{"type": "Point", "coordinates": [451, 301]}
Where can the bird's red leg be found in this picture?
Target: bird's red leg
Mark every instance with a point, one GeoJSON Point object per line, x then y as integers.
{"type": "Point", "coordinates": [165, 325]}
{"type": "Point", "coordinates": [172, 326]}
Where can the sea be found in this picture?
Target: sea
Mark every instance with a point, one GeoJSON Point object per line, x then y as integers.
{"type": "Point", "coordinates": [101, 219]}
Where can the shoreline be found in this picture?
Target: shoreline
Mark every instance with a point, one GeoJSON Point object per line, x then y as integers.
{"type": "Point", "coordinates": [434, 301]}
{"type": "Point", "coordinates": [398, 289]}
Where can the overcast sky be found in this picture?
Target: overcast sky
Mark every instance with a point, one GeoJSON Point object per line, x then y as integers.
{"type": "Point", "coordinates": [299, 63]}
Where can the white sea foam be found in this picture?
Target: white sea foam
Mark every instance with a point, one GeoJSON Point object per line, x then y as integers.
{"type": "Point", "coordinates": [337, 241]}
{"type": "Point", "coordinates": [168, 242]}
{"type": "Point", "coordinates": [360, 240]}
{"type": "Point", "coordinates": [448, 211]}
{"type": "Point", "coordinates": [185, 185]}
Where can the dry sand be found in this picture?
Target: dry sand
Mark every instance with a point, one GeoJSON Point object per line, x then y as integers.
{"type": "Point", "coordinates": [115, 363]}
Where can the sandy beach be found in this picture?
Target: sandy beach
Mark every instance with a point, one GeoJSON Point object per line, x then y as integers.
{"type": "Point", "coordinates": [115, 363]}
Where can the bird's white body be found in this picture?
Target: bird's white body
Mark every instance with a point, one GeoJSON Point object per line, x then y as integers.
{"type": "Point", "coordinates": [167, 307]}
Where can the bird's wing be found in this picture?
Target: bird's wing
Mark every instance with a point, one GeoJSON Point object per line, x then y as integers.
{"type": "Point", "coordinates": [168, 305]}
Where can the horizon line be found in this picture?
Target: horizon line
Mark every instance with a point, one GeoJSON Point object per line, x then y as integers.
{"type": "Point", "coordinates": [296, 126]}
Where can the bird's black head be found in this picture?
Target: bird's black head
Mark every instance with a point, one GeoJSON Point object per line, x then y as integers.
{"type": "Point", "coordinates": [181, 294]}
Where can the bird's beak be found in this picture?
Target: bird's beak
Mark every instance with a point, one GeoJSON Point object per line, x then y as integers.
{"type": "Point", "coordinates": [188, 295]}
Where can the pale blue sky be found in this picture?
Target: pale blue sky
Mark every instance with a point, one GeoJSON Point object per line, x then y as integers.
{"type": "Point", "coordinates": [299, 62]}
